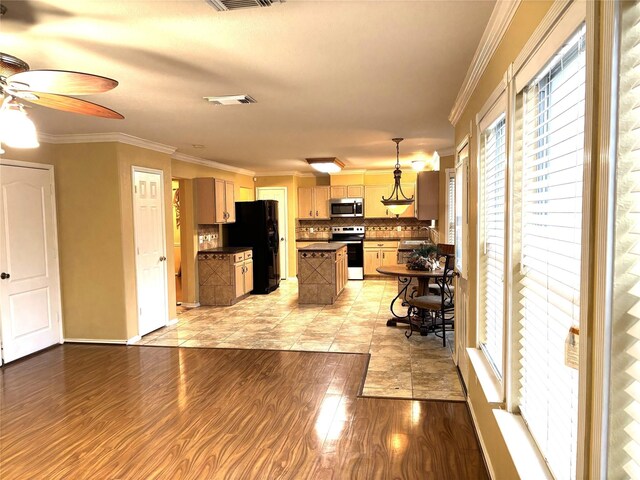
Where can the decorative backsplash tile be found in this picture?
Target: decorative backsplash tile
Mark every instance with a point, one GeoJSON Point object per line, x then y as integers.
{"type": "Point", "coordinates": [374, 228]}
{"type": "Point", "coordinates": [208, 236]}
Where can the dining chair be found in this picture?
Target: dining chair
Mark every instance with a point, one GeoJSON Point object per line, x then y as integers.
{"type": "Point", "coordinates": [436, 308]}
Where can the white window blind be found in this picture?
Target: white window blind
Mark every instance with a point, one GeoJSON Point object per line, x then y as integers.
{"type": "Point", "coordinates": [492, 171]}
{"type": "Point", "coordinates": [451, 202]}
{"type": "Point", "coordinates": [549, 287]}
{"type": "Point", "coordinates": [624, 418]}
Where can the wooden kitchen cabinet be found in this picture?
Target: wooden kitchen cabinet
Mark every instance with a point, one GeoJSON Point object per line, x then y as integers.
{"type": "Point", "coordinates": [379, 254]}
{"type": "Point", "coordinates": [342, 270]}
{"type": "Point", "coordinates": [215, 201]}
{"type": "Point", "coordinates": [373, 207]}
{"type": "Point", "coordinates": [243, 277]}
{"type": "Point", "coordinates": [313, 203]}
{"type": "Point", "coordinates": [224, 277]}
{"type": "Point", "coordinates": [347, 191]}
{"type": "Point", "coordinates": [428, 195]}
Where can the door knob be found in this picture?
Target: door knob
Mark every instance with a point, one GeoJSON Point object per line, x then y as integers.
{"type": "Point", "coordinates": [162, 259]}
{"type": "Point", "coordinates": [4, 276]}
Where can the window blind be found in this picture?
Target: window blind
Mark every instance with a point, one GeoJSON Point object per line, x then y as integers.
{"type": "Point", "coordinates": [492, 165]}
{"type": "Point", "coordinates": [549, 286]}
{"type": "Point", "coordinates": [624, 417]}
{"type": "Point", "coordinates": [451, 211]}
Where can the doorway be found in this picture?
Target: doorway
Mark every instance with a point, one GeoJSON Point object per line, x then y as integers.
{"type": "Point", "coordinates": [30, 306]}
{"type": "Point", "coordinates": [150, 249]}
{"type": "Point", "coordinates": [176, 191]}
{"type": "Point", "coordinates": [279, 194]}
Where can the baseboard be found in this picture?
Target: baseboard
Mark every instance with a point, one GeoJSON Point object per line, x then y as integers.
{"type": "Point", "coordinates": [487, 460]}
{"type": "Point", "coordinates": [190, 305]}
{"type": "Point", "coordinates": [173, 321]}
{"type": "Point", "coordinates": [96, 340]}
{"type": "Point", "coordinates": [135, 339]}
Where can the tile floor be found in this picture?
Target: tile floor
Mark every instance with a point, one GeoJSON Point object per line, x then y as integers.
{"type": "Point", "coordinates": [418, 367]}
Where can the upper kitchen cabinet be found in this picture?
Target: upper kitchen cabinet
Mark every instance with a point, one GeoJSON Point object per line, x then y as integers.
{"type": "Point", "coordinates": [215, 201]}
{"type": "Point", "coordinates": [347, 191]}
{"type": "Point", "coordinates": [313, 203]}
{"type": "Point", "coordinates": [373, 206]}
{"type": "Point", "coordinates": [428, 194]}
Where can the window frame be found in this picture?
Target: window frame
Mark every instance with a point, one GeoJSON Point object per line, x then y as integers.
{"type": "Point", "coordinates": [494, 107]}
{"type": "Point", "coordinates": [450, 174]}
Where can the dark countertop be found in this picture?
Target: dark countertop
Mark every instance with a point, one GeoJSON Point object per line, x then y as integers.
{"type": "Point", "coordinates": [322, 247]}
{"type": "Point", "coordinates": [225, 250]}
{"type": "Point", "coordinates": [318, 240]}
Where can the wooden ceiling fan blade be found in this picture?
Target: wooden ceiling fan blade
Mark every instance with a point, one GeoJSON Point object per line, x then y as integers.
{"type": "Point", "coordinates": [74, 105]}
{"type": "Point", "coordinates": [61, 81]}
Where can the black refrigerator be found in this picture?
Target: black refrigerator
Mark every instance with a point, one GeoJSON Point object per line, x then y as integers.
{"type": "Point", "coordinates": [257, 227]}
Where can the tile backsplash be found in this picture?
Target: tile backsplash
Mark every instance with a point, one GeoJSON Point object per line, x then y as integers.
{"type": "Point", "coordinates": [208, 236]}
{"type": "Point", "coordinates": [374, 228]}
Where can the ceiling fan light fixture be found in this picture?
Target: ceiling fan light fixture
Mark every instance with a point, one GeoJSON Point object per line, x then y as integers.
{"type": "Point", "coordinates": [397, 202]}
{"type": "Point", "coordinates": [16, 128]}
{"type": "Point", "coordinates": [326, 165]}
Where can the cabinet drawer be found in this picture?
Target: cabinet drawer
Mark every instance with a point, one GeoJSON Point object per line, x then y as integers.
{"type": "Point", "coordinates": [382, 244]}
{"type": "Point", "coordinates": [238, 257]}
{"type": "Point", "coordinates": [248, 254]}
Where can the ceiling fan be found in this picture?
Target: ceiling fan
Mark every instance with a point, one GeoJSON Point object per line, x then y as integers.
{"type": "Point", "coordinates": [51, 88]}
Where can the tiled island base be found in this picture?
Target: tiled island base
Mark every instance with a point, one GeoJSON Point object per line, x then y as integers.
{"type": "Point", "coordinates": [418, 367]}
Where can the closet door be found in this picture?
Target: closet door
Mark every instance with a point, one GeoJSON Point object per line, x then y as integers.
{"type": "Point", "coordinates": [30, 285]}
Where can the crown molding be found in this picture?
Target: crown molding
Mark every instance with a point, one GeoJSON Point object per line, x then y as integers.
{"type": "Point", "coordinates": [500, 20]}
{"type": "Point", "coordinates": [107, 137]}
{"type": "Point", "coordinates": [348, 172]}
{"type": "Point", "coordinates": [183, 157]}
{"type": "Point", "coordinates": [286, 173]}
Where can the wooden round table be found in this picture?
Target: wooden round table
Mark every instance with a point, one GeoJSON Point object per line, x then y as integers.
{"type": "Point", "coordinates": [404, 276]}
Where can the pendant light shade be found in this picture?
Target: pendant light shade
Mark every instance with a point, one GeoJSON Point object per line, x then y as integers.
{"type": "Point", "coordinates": [397, 202]}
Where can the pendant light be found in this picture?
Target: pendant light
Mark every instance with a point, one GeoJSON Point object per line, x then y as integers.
{"type": "Point", "coordinates": [16, 128]}
{"type": "Point", "coordinates": [397, 201]}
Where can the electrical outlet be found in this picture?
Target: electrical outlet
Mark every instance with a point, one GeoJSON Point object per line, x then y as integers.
{"type": "Point", "coordinates": [399, 228]}
{"type": "Point", "coordinates": [311, 230]}
{"type": "Point", "coordinates": [214, 236]}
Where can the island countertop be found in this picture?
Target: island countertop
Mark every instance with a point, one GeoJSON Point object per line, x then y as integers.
{"type": "Point", "coordinates": [323, 247]}
{"type": "Point", "coordinates": [225, 250]}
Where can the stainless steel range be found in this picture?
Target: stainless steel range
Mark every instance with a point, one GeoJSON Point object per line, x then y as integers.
{"type": "Point", "coordinates": [354, 238]}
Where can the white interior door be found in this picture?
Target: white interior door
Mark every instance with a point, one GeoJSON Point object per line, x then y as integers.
{"type": "Point", "coordinates": [29, 284]}
{"type": "Point", "coordinates": [151, 259]}
{"type": "Point", "coordinates": [279, 194]}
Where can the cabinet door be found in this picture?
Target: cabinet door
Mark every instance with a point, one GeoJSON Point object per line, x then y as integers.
{"type": "Point", "coordinates": [428, 196]}
{"type": "Point", "coordinates": [205, 201]}
{"type": "Point", "coordinates": [373, 207]}
{"type": "Point", "coordinates": [339, 191]}
{"type": "Point", "coordinates": [409, 189]}
{"type": "Point", "coordinates": [239, 279]}
{"type": "Point", "coordinates": [230, 201]}
{"type": "Point", "coordinates": [371, 261]}
{"type": "Point", "coordinates": [322, 195]}
{"type": "Point", "coordinates": [305, 203]}
{"type": "Point", "coordinates": [220, 206]}
{"type": "Point", "coordinates": [248, 276]}
{"type": "Point", "coordinates": [388, 256]}
{"type": "Point", "coordinates": [355, 191]}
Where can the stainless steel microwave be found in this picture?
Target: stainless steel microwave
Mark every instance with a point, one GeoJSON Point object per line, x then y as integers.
{"type": "Point", "coordinates": [346, 207]}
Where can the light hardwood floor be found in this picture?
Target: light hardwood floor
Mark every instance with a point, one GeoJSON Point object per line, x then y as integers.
{"type": "Point", "coordinates": [414, 368]}
{"type": "Point", "coordinates": [116, 412]}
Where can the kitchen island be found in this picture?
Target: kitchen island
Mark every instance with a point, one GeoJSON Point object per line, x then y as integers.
{"type": "Point", "coordinates": [322, 272]}
{"type": "Point", "coordinates": [225, 275]}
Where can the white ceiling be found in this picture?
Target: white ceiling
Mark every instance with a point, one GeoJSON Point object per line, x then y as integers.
{"type": "Point", "coordinates": [332, 78]}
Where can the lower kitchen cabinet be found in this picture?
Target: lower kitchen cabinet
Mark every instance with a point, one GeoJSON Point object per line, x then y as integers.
{"type": "Point", "coordinates": [322, 273]}
{"type": "Point", "coordinates": [225, 275]}
{"type": "Point", "coordinates": [342, 270]}
{"type": "Point", "coordinates": [378, 254]}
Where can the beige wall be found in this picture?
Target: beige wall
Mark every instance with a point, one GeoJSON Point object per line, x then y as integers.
{"type": "Point", "coordinates": [525, 21]}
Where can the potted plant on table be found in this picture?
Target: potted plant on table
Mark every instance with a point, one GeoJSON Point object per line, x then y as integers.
{"type": "Point", "coordinates": [423, 258]}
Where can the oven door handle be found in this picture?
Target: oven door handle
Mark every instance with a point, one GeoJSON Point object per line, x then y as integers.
{"type": "Point", "coordinates": [347, 241]}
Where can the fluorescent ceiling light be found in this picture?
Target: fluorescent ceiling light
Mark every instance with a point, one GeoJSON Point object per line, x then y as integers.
{"type": "Point", "coordinates": [326, 165]}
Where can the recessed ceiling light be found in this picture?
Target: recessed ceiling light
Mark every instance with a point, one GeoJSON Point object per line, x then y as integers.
{"type": "Point", "coordinates": [231, 99]}
{"type": "Point", "coordinates": [196, 145]}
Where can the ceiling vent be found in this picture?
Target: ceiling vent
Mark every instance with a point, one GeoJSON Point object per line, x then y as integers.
{"type": "Point", "coordinates": [231, 100]}
{"type": "Point", "coordinates": [237, 4]}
